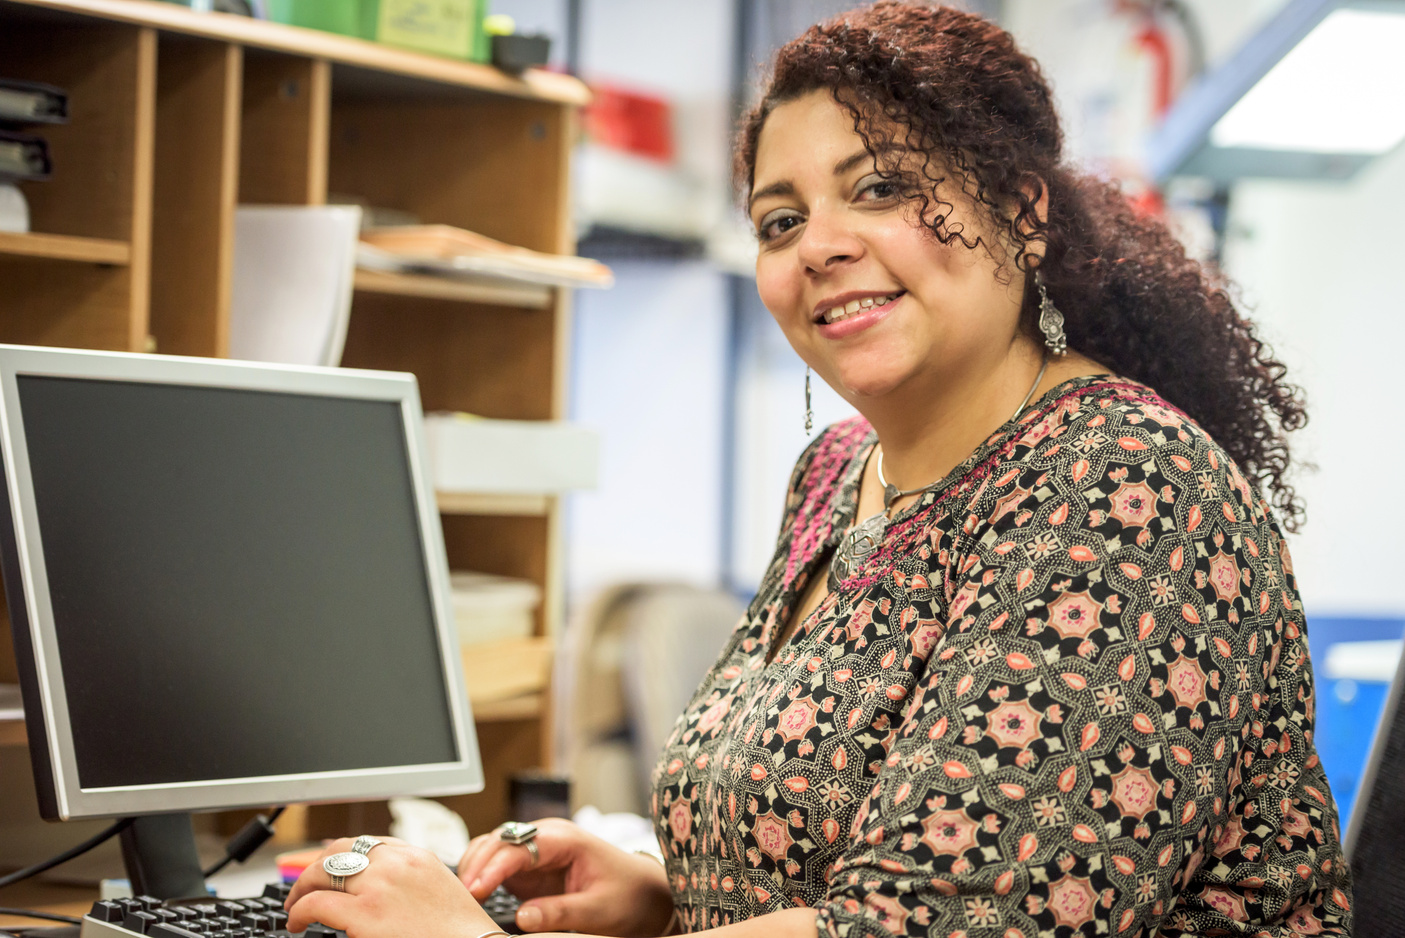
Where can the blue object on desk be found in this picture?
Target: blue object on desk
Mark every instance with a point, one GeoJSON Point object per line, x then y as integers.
{"type": "Point", "coordinates": [1348, 706]}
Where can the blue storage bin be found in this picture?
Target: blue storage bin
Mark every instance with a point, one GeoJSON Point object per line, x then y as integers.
{"type": "Point", "coordinates": [1349, 699]}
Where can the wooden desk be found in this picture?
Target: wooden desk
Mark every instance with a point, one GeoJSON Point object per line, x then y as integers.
{"type": "Point", "coordinates": [58, 898]}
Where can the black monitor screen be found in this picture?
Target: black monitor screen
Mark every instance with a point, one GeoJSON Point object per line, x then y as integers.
{"type": "Point", "coordinates": [237, 579]}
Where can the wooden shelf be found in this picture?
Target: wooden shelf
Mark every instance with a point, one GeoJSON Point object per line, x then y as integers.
{"type": "Point", "coordinates": [66, 248]}
{"type": "Point", "coordinates": [525, 707]}
{"type": "Point", "coordinates": [500, 675]}
{"type": "Point", "coordinates": [526, 295]}
{"type": "Point", "coordinates": [12, 733]}
{"type": "Point", "coordinates": [339, 50]}
{"type": "Point", "coordinates": [489, 503]}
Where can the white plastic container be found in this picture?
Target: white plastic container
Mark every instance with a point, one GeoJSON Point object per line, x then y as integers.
{"type": "Point", "coordinates": [475, 454]}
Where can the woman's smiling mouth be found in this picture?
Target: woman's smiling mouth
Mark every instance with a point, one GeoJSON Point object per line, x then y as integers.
{"type": "Point", "coordinates": [839, 319]}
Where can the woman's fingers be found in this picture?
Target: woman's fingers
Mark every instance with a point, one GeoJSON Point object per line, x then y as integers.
{"type": "Point", "coordinates": [313, 877]}
{"type": "Point", "coordinates": [474, 857]}
{"type": "Point", "coordinates": [504, 862]}
{"type": "Point", "coordinates": [331, 908]}
{"type": "Point", "coordinates": [569, 911]}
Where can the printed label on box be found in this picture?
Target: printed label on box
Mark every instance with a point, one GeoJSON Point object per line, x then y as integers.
{"type": "Point", "coordinates": [442, 26]}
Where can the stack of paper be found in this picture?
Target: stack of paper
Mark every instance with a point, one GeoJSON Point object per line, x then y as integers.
{"type": "Point", "coordinates": [453, 252]}
{"type": "Point", "coordinates": [491, 608]}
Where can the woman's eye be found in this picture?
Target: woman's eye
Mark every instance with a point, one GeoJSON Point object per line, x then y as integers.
{"type": "Point", "coordinates": [876, 189]}
{"type": "Point", "coordinates": [775, 225]}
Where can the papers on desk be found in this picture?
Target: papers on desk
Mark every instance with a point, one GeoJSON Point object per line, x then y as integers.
{"type": "Point", "coordinates": [445, 251]}
{"type": "Point", "coordinates": [11, 707]}
{"type": "Point", "coordinates": [293, 273]}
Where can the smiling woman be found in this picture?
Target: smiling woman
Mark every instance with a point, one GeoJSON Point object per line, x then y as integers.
{"type": "Point", "coordinates": [1029, 658]}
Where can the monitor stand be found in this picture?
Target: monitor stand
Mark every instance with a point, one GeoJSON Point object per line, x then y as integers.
{"type": "Point", "coordinates": [159, 852]}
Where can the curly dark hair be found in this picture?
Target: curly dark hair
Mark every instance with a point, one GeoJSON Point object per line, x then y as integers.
{"type": "Point", "coordinates": [954, 89]}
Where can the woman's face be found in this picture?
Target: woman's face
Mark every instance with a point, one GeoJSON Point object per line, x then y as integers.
{"type": "Point", "coordinates": [866, 295]}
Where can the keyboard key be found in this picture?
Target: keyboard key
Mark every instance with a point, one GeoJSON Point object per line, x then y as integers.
{"type": "Point", "coordinates": [167, 930]}
{"type": "Point", "coordinates": [105, 910]}
{"type": "Point", "coordinates": [277, 891]}
{"type": "Point", "coordinates": [139, 921]}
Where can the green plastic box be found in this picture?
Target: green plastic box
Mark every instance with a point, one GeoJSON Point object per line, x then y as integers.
{"type": "Point", "coordinates": [452, 28]}
{"type": "Point", "coordinates": [346, 17]}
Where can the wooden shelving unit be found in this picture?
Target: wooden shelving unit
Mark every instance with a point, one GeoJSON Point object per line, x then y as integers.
{"type": "Point", "coordinates": [65, 248]}
{"type": "Point", "coordinates": [177, 117]}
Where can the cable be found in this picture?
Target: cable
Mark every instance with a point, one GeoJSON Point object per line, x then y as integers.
{"type": "Point", "coordinates": [103, 835]}
{"type": "Point", "coordinates": [46, 916]}
{"type": "Point", "coordinates": [251, 837]}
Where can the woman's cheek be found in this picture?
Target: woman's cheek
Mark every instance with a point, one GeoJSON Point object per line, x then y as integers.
{"type": "Point", "coordinates": [780, 294]}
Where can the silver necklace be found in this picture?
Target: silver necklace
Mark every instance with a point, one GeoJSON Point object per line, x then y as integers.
{"type": "Point", "coordinates": [861, 540]}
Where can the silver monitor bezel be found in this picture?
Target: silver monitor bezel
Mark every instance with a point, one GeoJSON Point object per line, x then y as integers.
{"type": "Point", "coordinates": [70, 798]}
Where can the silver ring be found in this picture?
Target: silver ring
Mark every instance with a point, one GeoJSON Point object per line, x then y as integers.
{"type": "Point", "coordinates": [520, 834]}
{"type": "Point", "coordinates": [342, 866]}
{"type": "Point", "coordinates": [364, 843]}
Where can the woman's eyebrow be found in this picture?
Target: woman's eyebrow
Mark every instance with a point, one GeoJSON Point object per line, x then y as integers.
{"type": "Point", "coordinates": [849, 162]}
{"type": "Point", "coordinates": [840, 168]}
{"type": "Point", "coordinates": [776, 188]}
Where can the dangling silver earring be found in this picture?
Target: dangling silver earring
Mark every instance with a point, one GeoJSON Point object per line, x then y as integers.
{"type": "Point", "coordinates": [809, 414]}
{"type": "Point", "coordinates": [1051, 321]}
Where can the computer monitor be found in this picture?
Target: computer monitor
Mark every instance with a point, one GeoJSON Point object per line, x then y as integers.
{"type": "Point", "coordinates": [227, 585]}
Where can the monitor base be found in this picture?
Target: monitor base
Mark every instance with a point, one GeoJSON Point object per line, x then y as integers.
{"type": "Point", "coordinates": [159, 853]}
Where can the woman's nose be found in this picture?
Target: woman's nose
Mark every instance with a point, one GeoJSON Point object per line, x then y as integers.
{"type": "Point", "coordinates": [827, 242]}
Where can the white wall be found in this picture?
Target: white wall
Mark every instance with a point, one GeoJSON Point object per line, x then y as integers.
{"type": "Point", "coordinates": [1317, 263]}
{"type": "Point", "coordinates": [648, 374]}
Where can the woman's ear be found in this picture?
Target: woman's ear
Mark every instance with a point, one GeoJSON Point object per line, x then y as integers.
{"type": "Point", "coordinates": [1031, 214]}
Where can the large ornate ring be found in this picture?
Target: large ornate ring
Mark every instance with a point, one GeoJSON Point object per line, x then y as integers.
{"type": "Point", "coordinates": [339, 866]}
{"type": "Point", "coordinates": [521, 835]}
{"type": "Point", "coordinates": [364, 843]}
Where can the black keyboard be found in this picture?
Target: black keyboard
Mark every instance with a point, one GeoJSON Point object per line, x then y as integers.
{"type": "Point", "coordinates": [262, 917]}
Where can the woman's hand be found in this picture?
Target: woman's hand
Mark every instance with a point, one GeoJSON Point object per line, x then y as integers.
{"type": "Point", "coordinates": [580, 884]}
{"type": "Point", "coordinates": [403, 891]}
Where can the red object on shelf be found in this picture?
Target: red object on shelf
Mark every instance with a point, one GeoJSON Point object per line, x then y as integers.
{"type": "Point", "coordinates": [631, 121]}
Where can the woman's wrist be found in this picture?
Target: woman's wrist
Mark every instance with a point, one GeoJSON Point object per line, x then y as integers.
{"type": "Point", "coordinates": [663, 895]}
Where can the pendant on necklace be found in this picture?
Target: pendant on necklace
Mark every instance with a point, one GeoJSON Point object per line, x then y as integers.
{"type": "Point", "coordinates": [856, 546]}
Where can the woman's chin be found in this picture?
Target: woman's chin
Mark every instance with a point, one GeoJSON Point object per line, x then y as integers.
{"type": "Point", "coordinates": [868, 387]}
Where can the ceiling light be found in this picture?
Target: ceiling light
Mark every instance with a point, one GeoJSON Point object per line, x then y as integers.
{"type": "Point", "coordinates": [1313, 95]}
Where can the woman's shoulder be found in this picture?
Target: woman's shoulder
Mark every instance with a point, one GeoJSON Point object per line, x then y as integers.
{"type": "Point", "coordinates": [824, 462]}
{"type": "Point", "coordinates": [1110, 435]}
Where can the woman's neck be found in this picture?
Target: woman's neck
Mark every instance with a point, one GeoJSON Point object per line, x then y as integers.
{"type": "Point", "coordinates": [928, 429]}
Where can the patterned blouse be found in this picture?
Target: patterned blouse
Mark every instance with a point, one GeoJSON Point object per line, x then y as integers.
{"type": "Point", "coordinates": [1069, 695]}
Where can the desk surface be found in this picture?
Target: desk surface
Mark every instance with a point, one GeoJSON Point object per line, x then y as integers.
{"type": "Point", "coordinates": [48, 897]}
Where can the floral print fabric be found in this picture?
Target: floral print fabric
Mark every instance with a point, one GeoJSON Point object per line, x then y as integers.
{"type": "Point", "coordinates": [1069, 695]}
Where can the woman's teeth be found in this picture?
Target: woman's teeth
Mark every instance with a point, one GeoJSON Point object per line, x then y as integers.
{"type": "Point", "coordinates": [854, 307]}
